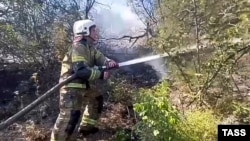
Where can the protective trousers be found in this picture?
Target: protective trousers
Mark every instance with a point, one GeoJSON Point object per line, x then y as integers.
{"type": "Point", "coordinates": [79, 110]}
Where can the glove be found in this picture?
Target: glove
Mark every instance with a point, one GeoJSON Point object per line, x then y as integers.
{"type": "Point", "coordinates": [112, 64]}
{"type": "Point", "coordinates": [106, 75]}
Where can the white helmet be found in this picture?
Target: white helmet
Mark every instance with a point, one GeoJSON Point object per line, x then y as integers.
{"type": "Point", "coordinates": [83, 27]}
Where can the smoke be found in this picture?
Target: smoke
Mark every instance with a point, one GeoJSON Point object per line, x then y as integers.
{"type": "Point", "coordinates": [160, 67]}
{"type": "Point", "coordinates": [117, 20]}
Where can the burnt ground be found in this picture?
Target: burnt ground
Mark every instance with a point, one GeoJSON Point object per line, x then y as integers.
{"type": "Point", "coordinates": [117, 119]}
{"type": "Point", "coordinates": [9, 80]}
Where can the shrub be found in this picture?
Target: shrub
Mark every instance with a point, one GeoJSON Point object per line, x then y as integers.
{"type": "Point", "coordinates": [159, 118]}
{"type": "Point", "coordinates": [123, 92]}
{"type": "Point", "coordinates": [160, 121]}
{"type": "Point", "coordinates": [199, 126]}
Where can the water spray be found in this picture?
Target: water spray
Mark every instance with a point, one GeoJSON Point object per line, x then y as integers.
{"type": "Point", "coordinates": [140, 60]}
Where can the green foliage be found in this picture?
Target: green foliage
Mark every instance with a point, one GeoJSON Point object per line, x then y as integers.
{"type": "Point", "coordinates": [122, 135]}
{"type": "Point", "coordinates": [221, 26]}
{"type": "Point", "coordinates": [162, 122]}
{"type": "Point", "coordinates": [159, 118]}
{"type": "Point", "coordinates": [28, 29]}
{"type": "Point", "coordinates": [200, 126]}
{"type": "Point", "coordinates": [242, 112]}
{"type": "Point", "coordinates": [33, 32]}
{"type": "Point", "coordinates": [9, 35]}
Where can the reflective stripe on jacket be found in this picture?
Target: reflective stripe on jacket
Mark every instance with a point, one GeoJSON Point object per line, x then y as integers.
{"type": "Point", "coordinates": [87, 54]}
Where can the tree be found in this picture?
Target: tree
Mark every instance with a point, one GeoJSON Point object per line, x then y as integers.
{"type": "Point", "coordinates": [198, 24]}
{"type": "Point", "coordinates": [31, 28]}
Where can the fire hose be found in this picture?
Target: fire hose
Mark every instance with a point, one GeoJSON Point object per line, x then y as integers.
{"type": "Point", "coordinates": [39, 100]}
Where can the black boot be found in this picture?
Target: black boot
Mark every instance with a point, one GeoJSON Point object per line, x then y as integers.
{"type": "Point", "coordinates": [86, 132]}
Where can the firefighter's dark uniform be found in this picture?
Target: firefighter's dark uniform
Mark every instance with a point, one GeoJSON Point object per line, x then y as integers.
{"type": "Point", "coordinates": [79, 105]}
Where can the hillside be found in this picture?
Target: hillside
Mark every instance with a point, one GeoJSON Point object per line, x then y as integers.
{"type": "Point", "coordinates": [202, 82]}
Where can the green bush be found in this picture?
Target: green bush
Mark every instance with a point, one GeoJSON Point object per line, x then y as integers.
{"type": "Point", "coordinates": [159, 118]}
{"type": "Point", "coordinates": [161, 122]}
{"type": "Point", "coordinates": [199, 126]}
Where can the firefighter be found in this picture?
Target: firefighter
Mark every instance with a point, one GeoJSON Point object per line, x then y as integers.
{"type": "Point", "coordinates": [80, 102]}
